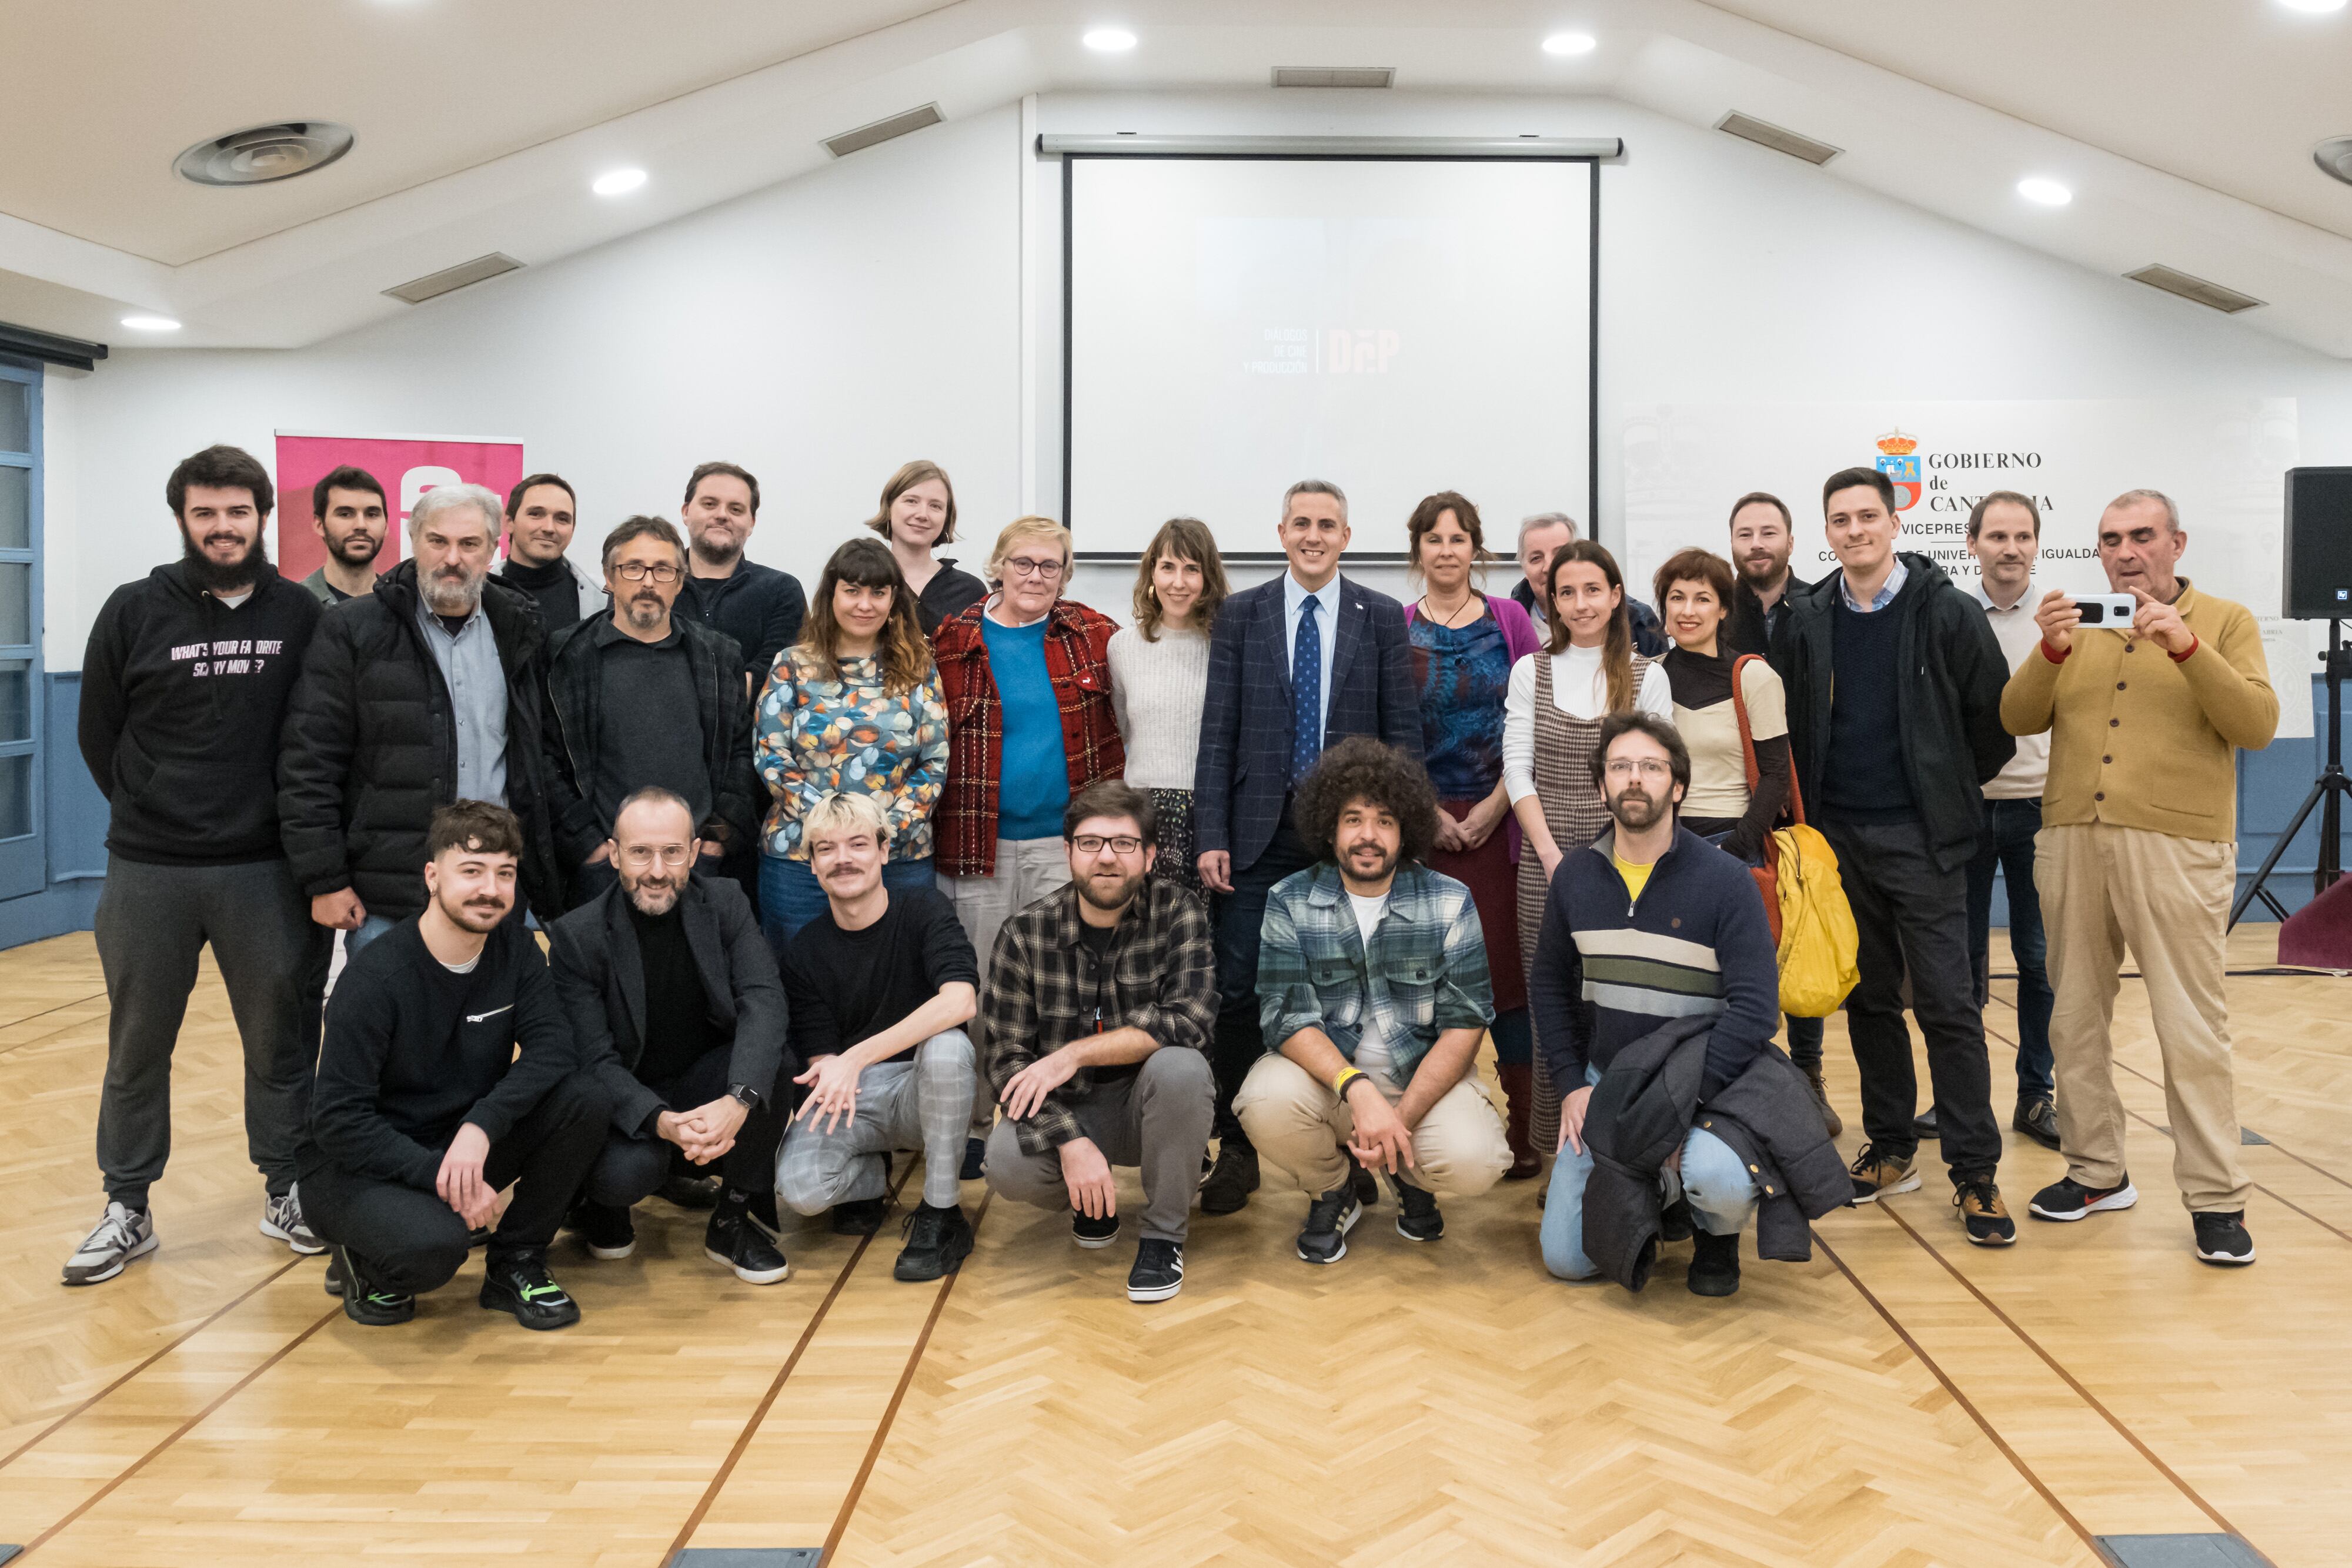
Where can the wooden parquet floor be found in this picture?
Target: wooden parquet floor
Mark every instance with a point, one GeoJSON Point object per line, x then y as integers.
{"type": "Point", "coordinates": [1903, 1400]}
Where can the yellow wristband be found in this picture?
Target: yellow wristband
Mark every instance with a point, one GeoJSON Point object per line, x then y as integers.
{"type": "Point", "coordinates": [1339, 1084]}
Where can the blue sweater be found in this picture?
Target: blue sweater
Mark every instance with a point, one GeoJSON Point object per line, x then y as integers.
{"type": "Point", "coordinates": [1696, 943]}
{"type": "Point", "coordinates": [1033, 769]}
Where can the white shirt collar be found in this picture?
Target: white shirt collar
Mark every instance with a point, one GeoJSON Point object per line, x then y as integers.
{"type": "Point", "coordinates": [2024, 601]}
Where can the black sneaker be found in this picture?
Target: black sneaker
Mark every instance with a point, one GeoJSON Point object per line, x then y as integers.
{"type": "Point", "coordinates": [2067, 1199]}
{"type": "Point", "coordinates": [1233, 1179]}
{"type": "Point", "coordinates": [334, 1281]}
{"type": "Point", "coordinates": [975, 1161]}
{"type": "Point", "coordinates": [1362, 1182]}
{"type": "Point", "coordinates": [1715, 1265]}
{"type": "Point", "coordinates": [1324, 1238]}
{"type": "Point", "coordinates": [1093, 1234]}
{"type": "Point", "coordinates": [2038, 1119]}
{"type": "Point", "coordinates": [1675, 1222]}
{"type": "Point", "coordinates": [938, 1241]}
{"type": "Point", "coordinates": [732, 1241]}
{"type": "Point", "coordinates": [1983, 1213]}
{"type": "Point", "coordinates": [2223, 1239]}
{"type": "Point", "coordinates": [606, 1230]}
{"type": "Point", "coordinates": [690, 1191]}
{"type": "Point", "coordinates": [518, 1282]}
{"type": "Point", "coordinates": [1417, 1216]}
{"type": "Point", "coordinates": [859, 1216]}
{"type": "Point", "coordinates": [368, 1304]}
{"type": "Point", "coordinates": [1159, 1272]}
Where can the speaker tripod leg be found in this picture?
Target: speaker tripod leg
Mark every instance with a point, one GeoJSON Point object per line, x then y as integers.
{"type": "Point", "coordinates": [2327, 785]}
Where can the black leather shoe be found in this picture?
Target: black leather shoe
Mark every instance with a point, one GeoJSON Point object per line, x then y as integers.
{"type": "Point", "coordinates": [1923, 1125]}
{"type": "Point", "coordinates": [2037, 1119]}
{"type": "Point", "coordinates": [732, 1241]}
{"type": "Point", "coordinates": [690, 1191]}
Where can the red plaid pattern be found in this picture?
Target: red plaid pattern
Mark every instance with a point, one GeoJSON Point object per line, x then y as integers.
{"type": "Point", "coordinates": [1077, 639]}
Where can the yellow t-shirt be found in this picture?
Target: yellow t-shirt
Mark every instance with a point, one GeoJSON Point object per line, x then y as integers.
{"type": "Point", "coordinates": [1637, 877]}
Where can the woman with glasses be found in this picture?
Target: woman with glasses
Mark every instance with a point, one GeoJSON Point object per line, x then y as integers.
{"type": "Point", "coordinates": [853, 707]}
{"type": "Point", "coordinates": [1159, 679]}
{"type": "Point", "coordinates": [1465, 642]}
{"type": "Point", "coordinates": [919, 514]}
{"type": "Point", "coordinates": [1029, 723]}
{"type": "Point", "coordinates": [1586, 671]}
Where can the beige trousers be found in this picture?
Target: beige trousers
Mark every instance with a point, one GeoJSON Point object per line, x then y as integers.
{"type": "Point", "coordinates": [2105, 888]}
{"type": "Point", "coordinates": [1299, 1124]}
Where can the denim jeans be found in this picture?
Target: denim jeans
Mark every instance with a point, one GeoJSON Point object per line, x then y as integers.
{"type": "Point", "coordinates": [373, 927]}
{"type": "Point", "coordinates": [790, 896]}
{"type": "Point", "coordinates": [2008, 845]}
{"type": "Point", "coordinates": [1713, 1181]}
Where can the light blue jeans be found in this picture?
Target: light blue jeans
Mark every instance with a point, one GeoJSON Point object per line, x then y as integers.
{"type": "Point", "coordinates": [1715, 1181]}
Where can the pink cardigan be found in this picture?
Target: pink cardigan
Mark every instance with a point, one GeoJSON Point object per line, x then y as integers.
{"type": "Point", "coordinates": [1519, 638]}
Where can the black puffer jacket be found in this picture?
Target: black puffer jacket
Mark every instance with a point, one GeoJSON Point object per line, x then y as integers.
{"type": "Point", "coordinates": [1950, 670]}
{"type": "Point", "coordinates": [371, 748]}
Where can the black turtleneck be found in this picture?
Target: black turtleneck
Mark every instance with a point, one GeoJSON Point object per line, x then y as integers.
{"type": "Point", "coordinates": [553, 587]}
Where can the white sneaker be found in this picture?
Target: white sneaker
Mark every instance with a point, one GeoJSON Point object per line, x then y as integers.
{"type": "Point", "coordinates": [281, 1217]}
{"type": "Point", "coordinates": [123, 1235]}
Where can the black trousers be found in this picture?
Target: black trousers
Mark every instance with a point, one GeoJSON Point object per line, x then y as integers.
{"type": "Point", "coordinates": [1240, 917]}
{"type": "Point", "coordinates": [633, 1166]}
{"type": "Point", "coordinates": [409, 1241]}
{"type": "Point", "coordinates": [1914, 921]}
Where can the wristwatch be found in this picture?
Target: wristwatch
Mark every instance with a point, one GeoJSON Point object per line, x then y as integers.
{"type": "Point", "coordinates": [749, 1097]}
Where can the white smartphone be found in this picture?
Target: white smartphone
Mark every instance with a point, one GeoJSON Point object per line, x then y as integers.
{"type": "Point", "coordinates": [2113, 610]}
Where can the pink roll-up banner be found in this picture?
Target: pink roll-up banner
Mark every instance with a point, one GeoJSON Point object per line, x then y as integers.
{"type": "Point", "coordinates": [407, 466]}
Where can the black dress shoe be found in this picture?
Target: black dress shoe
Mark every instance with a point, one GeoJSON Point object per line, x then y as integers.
{"type": "Point", "coordinates": [1923, 1125]}
{"type": "Point", "coordinates": [2037, 1119]}
{"type": "Point", "coordinates": [690, 1191]}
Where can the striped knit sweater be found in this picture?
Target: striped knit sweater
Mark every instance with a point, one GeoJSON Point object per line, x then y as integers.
{"type": "Point", "coordinates": [1609, 969]}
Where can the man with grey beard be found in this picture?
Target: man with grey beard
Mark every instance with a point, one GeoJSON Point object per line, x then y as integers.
{"type": "Point", "coordinates": [431, 689]}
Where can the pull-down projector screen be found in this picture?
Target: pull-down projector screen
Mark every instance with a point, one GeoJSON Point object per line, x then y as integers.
{"type": "Point", "coordinates": [1396, 327]}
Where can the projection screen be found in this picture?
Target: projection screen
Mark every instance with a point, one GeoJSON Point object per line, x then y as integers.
{"type": "Point", "coordinates": [1397, 324]}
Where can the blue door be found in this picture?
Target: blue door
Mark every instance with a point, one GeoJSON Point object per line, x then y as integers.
{"type": "Point", "coordinates": [23, 839]}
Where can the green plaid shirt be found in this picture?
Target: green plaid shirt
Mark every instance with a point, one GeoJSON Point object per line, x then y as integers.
{"type": "Point", "coordinates": [1427, 972]}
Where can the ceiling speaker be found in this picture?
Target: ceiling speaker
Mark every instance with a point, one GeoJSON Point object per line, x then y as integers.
{"type": "Point", "coordinates": [264, 154]}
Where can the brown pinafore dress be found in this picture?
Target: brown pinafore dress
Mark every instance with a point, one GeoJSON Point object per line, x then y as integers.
{"type": "Point", "coordinates": [1574, 810]}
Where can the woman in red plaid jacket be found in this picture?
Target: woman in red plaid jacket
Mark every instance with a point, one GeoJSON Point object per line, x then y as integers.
{"type": "Point", "coordinates": [1029, 723]}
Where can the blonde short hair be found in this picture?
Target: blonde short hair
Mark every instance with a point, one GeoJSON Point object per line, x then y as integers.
{"type": "Point", "coordinates": [1021, 531]}
{"type": "Point", "coordinates": [843, 810]}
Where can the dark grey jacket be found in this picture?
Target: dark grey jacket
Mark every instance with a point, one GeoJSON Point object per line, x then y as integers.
{"type": "Point", "coordinates": [600, 974]}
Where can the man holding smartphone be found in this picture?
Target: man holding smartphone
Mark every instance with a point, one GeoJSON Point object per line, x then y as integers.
{"type": "Point", "coordinates": [2138, 846]}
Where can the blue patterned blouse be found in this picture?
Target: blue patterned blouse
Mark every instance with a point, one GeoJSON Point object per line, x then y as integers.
{"type": "Point", "coordinates": [1464, 674]}
{"type": "Point", "coordinates": [818, 736]}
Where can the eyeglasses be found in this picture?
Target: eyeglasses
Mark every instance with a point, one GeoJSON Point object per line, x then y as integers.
{"type": "Point", "coordinates": [637, 571]}
{"type": "Point", "coordinates": [1093, 844]}
{"type": "Point", "coordinates": [1022, 566]}
{"type": "Point", "coordinates": [1647, 767]}
{"type": "Point", "coordinates": [640, 857]}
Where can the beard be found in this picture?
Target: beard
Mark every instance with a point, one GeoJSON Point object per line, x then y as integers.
{"type": "Point", "coordinates": [480, 914]}
{"type": "Point", "coordinates": [452, 591]}
{"type": "Point", "coordinates": [718, 550]}
{"type": "Point", "coordinates": [654, 898]}
{"type": "Point", "coordinates": [1635, 808]}
{"type": "Point", "coordinates": [1353, 867]}
{"type": "Point", "coordinates": [355, 549]}
{"type": "Point", "coordinates": [1754, 578]}
{"type": "Point", "coordinates": [214, 577]}
{"type": "Point", "coordinates": [1120, 899]}
{"type": "Point", "coordinates": [645, 610]}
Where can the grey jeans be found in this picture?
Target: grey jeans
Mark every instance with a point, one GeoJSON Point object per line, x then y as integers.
{"type": "Point", "coordinates": [1158, 1119]}
{"type": "Point", "coordinates": [152, 922]}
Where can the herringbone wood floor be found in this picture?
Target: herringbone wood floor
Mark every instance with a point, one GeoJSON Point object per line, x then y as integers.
{"type": "Point", "coordinates": [1904, 1400]}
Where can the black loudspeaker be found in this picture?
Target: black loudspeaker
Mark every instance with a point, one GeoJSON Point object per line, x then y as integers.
{"type": "Point", "coordinates": [2318, 544]}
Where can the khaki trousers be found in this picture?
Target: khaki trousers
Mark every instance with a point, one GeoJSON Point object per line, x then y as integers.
{"type": "Point", "coordinates": [1297, 1125]}
{"type": "Point", "coordinates": [2105, 888]}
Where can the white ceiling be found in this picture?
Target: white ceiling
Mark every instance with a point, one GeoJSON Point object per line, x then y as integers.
{"type": "Point", "coordinates": [2184, 126]}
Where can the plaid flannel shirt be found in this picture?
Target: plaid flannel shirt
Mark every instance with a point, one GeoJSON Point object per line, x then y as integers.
{"type": "Point", "coordinates": [1077, 660]}
{"type": "Point", "coordinates": [1044, 988]}
{"type": "Point", "coordinates": [1427, 972]}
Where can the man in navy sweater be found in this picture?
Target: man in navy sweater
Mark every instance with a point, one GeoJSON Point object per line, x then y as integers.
{"type": "Point", "coordinates": [424, 1107]}
{"type": "Point", "coordinates": [1894, 679]}
{"type": "Point", "coordinates": [1650, 924]}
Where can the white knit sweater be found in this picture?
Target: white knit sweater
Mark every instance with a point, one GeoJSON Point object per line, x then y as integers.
{"type": "Point", "coordinates": [1158, 688]}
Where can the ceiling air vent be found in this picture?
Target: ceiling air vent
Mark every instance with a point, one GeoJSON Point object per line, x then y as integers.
{"type": "Point", "coordinates": [1335, 76]}
{"type": "Point", "coordinates": [882, 131]}
{"type": "Point", "coordinates": [449, 279]}
{"type": "Point", "coordinates": [2229, 302]}
{"type": "Point", "coordinates": [1747, 128]}
{"type": "Point", "coordinates": [260, 155]}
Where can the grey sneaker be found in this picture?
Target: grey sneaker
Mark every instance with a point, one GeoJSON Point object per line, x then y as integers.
{"type": "Point", "coordinates": [282, 1218]}
{"type": "Point", "coordinates": [123, 1235]}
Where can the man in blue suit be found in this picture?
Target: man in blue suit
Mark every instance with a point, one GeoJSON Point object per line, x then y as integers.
{"type": "Point", "coordinates": [1294, 666]}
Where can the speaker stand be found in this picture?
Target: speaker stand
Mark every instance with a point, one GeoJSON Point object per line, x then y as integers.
{"type": "Point", "coordinates": [2327, 793]}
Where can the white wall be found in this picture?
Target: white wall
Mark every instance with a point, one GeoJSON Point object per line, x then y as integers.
{"type": "Point", "coordinates": [826, 330]}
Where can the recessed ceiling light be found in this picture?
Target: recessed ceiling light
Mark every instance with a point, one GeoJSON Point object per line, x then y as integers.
{"type": "Point", "coordinates": [1108, 40]}
{"type": "Point", "coordinates": [2044, 192]}
{"type": "Point", "coordinates": [150, 323]}
{"type": "Point", "coordinates": [2313, 7]}
{"type": "Point", "coordinates": [1570, 44]}
{"type": "Point", "coordinates": [619, 182]}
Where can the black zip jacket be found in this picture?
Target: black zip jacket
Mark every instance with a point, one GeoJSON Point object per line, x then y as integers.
{"type": "Point", "coordinates": [756, 605]}
{"type": "Point", "coordinates": [1748, 629]}
{"type": "Point", "coordinates": [181, 701]}
{"type": "Point", "coordinates": [372, 748]}
{"type": "Point", "coordinates": [412, 1052]}
{"type": "Point", "coordinates": [1951, 673]}
{"type": "Point", "coordinates": [575, 685]}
